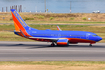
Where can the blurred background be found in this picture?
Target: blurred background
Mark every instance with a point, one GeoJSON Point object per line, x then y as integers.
{"type": "Point", "coordinates": [55, 6]}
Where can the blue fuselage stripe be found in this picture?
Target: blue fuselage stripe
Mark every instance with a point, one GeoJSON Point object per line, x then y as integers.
{"type": "Point", "coordinates": [63, 34]}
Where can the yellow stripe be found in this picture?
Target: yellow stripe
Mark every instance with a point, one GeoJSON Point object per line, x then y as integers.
{"type": "Point", "coordinates": [16, 27]}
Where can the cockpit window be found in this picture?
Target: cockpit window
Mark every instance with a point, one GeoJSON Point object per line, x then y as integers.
{"type": "Point", "coordinates": [94, 35]}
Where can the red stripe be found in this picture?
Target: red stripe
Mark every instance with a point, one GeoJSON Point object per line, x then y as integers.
{"type": "Point", "coordinates": [61, 43]}
{"type": "Point", "coordinates": [80, 40]}
{"type": "Point", "coordinates": [72, 40]}
{"type": "Point", "coordinates": [44, 40]}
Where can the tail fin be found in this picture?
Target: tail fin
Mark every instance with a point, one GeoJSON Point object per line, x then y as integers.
{"type": "Point", "coordinates": [18, 21]}
{"type": "Point", "coordinates": [20, 26]}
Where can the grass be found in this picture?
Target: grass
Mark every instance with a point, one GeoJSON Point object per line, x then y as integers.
{"type": "Point", "coordinates": [51, 18]}
{"type": "Point", "coordinates": [55, 18]}
{"type": "Point", "coordinates": [62, 22]}
{"type": "Point", "coordinates": [72, 18]}
{"type": "Point", "coordinates": [10, 36]}
{"type": "Point", "coordinates": [95, 29]}
{"type": "Point", "coordinates": [41, 17]}
{"type": "Point", "coordinates": [52, 65]}
{"type": "Point", "coordinates": [84, 18]}
{"type": "Point", "coordinates": [55, 22]}
{"type": "Point", "coordinates": [7, 35]}
{"type": "Point", "coordinates": [28, 18]}
{"type": "Point", "coordinates": [6, 27]}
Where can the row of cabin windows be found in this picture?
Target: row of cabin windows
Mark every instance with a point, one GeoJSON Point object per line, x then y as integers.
{"type": "Point", "coordinates": [78, 35]}
{"type": "Point", "coordinates": [58, 35]}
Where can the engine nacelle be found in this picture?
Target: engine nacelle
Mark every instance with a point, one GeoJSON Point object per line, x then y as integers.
{"type": "Point", "coordinates": [63, 42]}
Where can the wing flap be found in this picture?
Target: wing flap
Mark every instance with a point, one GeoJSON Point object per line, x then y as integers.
{"type": "Point", "coordinates": [45, 38]}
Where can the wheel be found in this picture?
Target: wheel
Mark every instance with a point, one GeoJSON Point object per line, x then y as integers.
{"type": "Point", "coordinates": [90, 45]}
{"type": "Point", "coordinates": [52, 44]}
{"type": "Point", "coordinates": [68, 43]}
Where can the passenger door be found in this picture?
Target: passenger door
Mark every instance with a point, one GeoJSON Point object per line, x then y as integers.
{"type": "Point", "coordinates": [87, 36]}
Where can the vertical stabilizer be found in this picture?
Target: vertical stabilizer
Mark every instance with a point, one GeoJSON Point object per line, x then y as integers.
{"type": "Point", "coordinates": [20, 25]}
{"type": "Point", "coordinates": [18, 21]}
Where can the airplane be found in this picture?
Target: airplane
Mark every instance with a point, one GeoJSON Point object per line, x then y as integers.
{"type": "Point", "coordinates": [56, 37]}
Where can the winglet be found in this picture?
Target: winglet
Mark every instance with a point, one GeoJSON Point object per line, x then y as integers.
{"type": "Point", "coordinates": [59, 28]}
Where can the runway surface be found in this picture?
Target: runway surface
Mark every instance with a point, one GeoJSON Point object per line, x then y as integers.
{"type": "Point", "coordinates": [41, 51]}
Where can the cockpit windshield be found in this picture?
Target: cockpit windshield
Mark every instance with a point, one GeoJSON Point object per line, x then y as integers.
{"type": "Point", "coordinates": [94, 35]}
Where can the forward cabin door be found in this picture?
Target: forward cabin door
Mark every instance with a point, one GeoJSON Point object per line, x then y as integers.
{"type": "Point", "coordinates": [87, 36]}
{"type": "Point", "coordinates": [59, 35]}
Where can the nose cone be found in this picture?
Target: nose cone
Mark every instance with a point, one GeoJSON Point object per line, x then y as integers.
{"type": "Point", "coordinates": [99, 38]}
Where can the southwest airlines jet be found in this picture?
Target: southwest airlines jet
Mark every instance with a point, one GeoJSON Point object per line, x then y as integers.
{"type": "Point", "coordinates": [56, 37]}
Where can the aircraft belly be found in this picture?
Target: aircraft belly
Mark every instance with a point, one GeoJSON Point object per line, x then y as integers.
{"type": "Point", "coordinates": [80, 40]}
{"type": "Point", "coordinates": [37, 39]}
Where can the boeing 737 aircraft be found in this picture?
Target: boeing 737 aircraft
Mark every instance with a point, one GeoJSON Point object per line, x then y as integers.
{"type": "Point", "coordinates": [56, 37]}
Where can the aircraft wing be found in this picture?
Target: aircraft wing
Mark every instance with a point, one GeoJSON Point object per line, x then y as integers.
{"type": "Point", "coordinates": [59, 41]}
{"type": "Point", "coordinates": [45, 38]}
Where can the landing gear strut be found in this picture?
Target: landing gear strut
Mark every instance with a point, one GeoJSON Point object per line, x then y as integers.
{"type": "Point", "coordinates": [90, 45]}
{"type": "Point", "coordinates": [52, 44]}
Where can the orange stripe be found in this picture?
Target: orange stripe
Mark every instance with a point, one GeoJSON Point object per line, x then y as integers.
{"type": "Point", "coordinates": [61, 43]}
{"type": "Point", "coordinates": [17, 22]}
{"type": "Point", "coordinates": [57, 28]}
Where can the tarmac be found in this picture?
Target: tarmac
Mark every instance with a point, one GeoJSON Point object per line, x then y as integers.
{"type": "Point", "coordinates": [42, 51]}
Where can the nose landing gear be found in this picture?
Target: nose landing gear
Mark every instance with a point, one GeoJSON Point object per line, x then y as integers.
{"type": "Point", "coordinates": [90, 44]}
